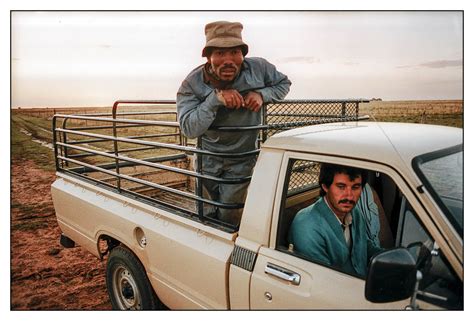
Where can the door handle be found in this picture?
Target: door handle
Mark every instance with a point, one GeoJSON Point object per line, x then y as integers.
{"type": "Point", "coordinates": [282, 273]}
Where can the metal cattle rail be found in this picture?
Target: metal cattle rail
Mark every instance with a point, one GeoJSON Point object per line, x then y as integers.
{"type": "Point", "coordinates": [151, 160]}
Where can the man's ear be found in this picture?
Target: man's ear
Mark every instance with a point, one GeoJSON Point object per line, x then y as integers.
{"type": "Point", "coordinates": [325, 188]}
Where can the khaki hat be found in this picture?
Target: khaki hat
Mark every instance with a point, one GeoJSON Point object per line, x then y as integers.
{"type": "Point", "coordinates": [224, 34]}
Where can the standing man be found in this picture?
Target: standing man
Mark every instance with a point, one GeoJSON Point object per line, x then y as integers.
{"type": "Point", "coordinates": [228, 90]}
{"type": "Point", "coordinates": [332, 230]}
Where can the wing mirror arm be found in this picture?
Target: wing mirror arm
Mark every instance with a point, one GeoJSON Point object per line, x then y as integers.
{"type": "Point", "coordinates": [413, 305]}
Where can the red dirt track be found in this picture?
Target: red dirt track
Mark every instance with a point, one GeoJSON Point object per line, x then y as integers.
{"type": "Point", "coordinates": [44, 275]}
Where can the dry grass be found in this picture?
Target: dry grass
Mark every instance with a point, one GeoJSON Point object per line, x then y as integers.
{"type": "Point", "coordinates": [437, 112]}
{"type": "Point", "coordinates": [48, 112]}
{"type": "Point", "coordinates": [413, 107]}
{"type": "Point", "coordinates": [37, 121]}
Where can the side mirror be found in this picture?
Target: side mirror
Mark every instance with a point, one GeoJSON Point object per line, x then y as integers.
{"type": "Point", "coordinates": [391, 276]}
{"type": "Point", "coordinates": [420, 252]}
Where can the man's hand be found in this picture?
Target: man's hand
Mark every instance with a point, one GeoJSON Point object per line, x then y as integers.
{"type": "Point", "coordinates": [231, 98]}
{"type": "Point", "coordinates": [253, 101]}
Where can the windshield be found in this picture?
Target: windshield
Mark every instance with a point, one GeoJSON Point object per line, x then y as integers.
{"type": "Point", "coordinates": [442, 174]}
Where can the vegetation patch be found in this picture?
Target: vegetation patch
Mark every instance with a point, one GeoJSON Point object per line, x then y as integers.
{"type": "Point", "coordinates": [29, 225]}
{"type": "Point", "coordinates": [434, 112]}
{"type": "Point", "coordinates": [23, 146]}
{"type": "Point", "coordinates": [452, 120]}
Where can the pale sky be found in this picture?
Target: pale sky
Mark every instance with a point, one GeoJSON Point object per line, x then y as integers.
{"type": "Point", "coordinates": [75, 58]}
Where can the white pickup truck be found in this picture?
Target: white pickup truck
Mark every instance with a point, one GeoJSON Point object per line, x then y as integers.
{"type": "Point", "coordinates": [126, 190]}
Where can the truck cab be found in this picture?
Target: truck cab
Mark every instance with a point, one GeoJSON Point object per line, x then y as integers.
{"type": "Point", "coordinates": [421, 215]}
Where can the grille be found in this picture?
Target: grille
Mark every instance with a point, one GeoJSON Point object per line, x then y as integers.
{"type": "Point", "coordinates": [289, 114]}
{"type": "Point", "coordinates": [304, 176]}
{"type": "Point", "coordinates": [243, 258]}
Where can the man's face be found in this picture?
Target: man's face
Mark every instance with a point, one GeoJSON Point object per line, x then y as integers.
{"type": "Point", "coordinates": [343, 193]}
{"type": "Point", "coordinates": [226, 62]}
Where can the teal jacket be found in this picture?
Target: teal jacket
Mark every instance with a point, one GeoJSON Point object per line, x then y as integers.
{"type": "Point", "coordinates": [317, 234]}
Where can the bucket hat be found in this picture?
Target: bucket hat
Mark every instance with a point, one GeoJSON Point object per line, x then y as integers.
{"type": "Point", "coordinates": [224, 34]}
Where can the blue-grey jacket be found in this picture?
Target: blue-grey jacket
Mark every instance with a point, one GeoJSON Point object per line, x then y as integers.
{"type": "Point", "coordinates": [317, 234]}
{"type": "Point", "coordinates": [370, 212]}
{"type": "Point", "coordinates": [199, 108]}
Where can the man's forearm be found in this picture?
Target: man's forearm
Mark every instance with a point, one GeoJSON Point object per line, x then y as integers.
{"type": "Point", "coordinates": [275, 92]}
{"type": "Point", "coordinates": [196, 117]}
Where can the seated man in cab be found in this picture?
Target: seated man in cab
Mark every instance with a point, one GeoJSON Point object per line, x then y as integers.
{"type": "Point", "coordinates": [333, 230]}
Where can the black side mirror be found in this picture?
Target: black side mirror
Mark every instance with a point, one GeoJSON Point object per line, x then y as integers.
{"type": "Point", "coordinates": [391, 276]}
{"type": "Point", "coordinates": [420, 252]}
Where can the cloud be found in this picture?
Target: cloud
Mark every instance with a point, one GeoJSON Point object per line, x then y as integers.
{"type": "Point", "coordinates": [300, 59]}
{"type": "Point", "coordinates": [436, 64]}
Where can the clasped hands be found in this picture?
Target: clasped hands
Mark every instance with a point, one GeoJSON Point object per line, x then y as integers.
{"type": "Point", "coordinates": [232, 99]}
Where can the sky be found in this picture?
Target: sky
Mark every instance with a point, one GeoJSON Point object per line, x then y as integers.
{"type": "Point", "coordinates": [92, 58]}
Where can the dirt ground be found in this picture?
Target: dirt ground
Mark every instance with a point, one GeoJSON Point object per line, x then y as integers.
{"type": "Point", "coordinates": [44, 275]}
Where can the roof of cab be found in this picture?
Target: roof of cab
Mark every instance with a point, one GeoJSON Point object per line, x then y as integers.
{"type": "Point", "coordinates": [383, 142]}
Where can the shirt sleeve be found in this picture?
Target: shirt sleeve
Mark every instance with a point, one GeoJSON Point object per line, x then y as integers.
{"type": "Point", "coordinates": [308, 241]}
{"type": "Point", "coordinates": [195, 115]}
{"type": "Point", "coordinates": [372, 249]}
{"type": "Point", "coordinates": [277, 84]}
{"type": "Point", "coordinates": [370, 213]}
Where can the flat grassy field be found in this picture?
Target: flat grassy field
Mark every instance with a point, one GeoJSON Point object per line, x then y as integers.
{"type": "Point", "coordinates": [31, 131]}
{"type": "Point", "coordinates": [436, 112]}
{"type": "Point", "coordinates": [31, 128]}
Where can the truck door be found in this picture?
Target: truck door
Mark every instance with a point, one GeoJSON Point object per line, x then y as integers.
{"type": "Point", "coordinates": [284, 279]}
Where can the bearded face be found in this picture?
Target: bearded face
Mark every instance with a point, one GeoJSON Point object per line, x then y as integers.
{"type": "Point", "coordinates": [226, 62]}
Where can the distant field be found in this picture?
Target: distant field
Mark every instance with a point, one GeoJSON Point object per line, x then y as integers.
{"type": "Point", "coordinates": [437, 112]}
{"type": "Point", "coordinates": [441, 112]}
{"type": "Point", "coordinates": [33, 126]}
{"type": "Point", "coordinates": [48, 112]}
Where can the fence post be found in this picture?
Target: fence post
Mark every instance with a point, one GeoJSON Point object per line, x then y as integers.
{"type": "Point", "coordinates": [66, 154]}
{"type": "Point", "coordinates": [114, 128]}
{"type": "Point", "coordinates": [199, 204]}
{"type": "Point", "coordinates": [264, 122]}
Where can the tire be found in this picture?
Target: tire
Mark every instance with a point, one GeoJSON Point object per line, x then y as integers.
{"type": "Point", "coordinates": [127, 283]}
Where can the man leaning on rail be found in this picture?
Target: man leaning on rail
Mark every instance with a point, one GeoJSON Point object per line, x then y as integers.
{"type": "Point", "coordinates": [228, 90]}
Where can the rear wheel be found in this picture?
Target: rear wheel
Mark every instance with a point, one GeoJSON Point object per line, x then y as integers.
{"type": "Point", "coordinates": [127, 282]}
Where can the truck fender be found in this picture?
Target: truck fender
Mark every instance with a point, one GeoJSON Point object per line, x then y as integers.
{"type": "Point", "coordinates": [107, 241]}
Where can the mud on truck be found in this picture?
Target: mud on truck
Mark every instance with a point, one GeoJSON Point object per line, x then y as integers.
{"type": "Point", "coordinates": [129, 190]}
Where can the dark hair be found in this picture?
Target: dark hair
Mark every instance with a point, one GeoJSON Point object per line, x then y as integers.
{"type": "Point", "coordinates": [327, 172]}
{"type": "Point", "coordinates": [208, 50]}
